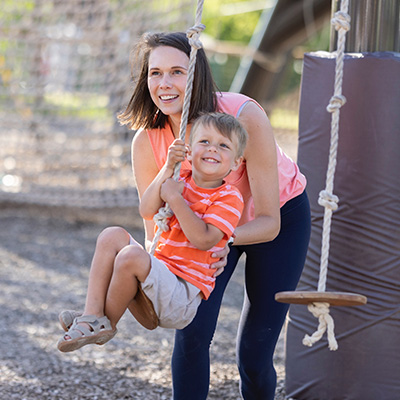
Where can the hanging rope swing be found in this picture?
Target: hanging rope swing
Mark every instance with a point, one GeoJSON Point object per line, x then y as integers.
{"type": "Point", "coordinates": [141, 306]}
{"type": "Point", "coordinates": [319, 302]}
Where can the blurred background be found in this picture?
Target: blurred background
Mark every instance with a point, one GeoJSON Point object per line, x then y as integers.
{"type": "Point", "coordinates": [65, 73]}
{"type": "Point", "coordinates": [65, 170]}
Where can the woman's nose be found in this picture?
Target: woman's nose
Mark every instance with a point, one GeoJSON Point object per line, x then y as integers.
{"type": "Point", "coordinates": [165, 81]}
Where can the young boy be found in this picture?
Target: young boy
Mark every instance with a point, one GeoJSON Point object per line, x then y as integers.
{"type": "Point", "coordinates": [178, 276]}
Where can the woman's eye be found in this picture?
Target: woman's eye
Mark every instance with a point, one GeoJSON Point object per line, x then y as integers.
{"type": "Point", "coordinates": [154, 73]}
{"type": "Point", "coordinates": [177, 72]}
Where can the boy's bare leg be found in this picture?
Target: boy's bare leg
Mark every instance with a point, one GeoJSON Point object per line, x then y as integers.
{"type": "Point", "coordinates": [132, 264]}
{"type": "Point", "coordinates": [109, 243]}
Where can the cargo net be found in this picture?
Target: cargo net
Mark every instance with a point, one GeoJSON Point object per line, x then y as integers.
{"type": "Point", "coordinates": [65, 73]}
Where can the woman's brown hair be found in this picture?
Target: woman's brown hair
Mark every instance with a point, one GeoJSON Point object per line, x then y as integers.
{"type": "Point", "coordinates": [141, 111]}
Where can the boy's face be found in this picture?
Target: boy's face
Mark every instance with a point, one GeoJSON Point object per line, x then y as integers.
{"type": "Point", "coordinates": [213, 156]}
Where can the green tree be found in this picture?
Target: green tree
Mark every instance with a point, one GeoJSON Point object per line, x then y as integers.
{"type": "Point", "coordinates": [232, 20]}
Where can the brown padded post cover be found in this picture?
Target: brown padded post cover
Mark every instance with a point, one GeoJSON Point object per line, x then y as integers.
{"type": "Point", "coordinates": [365, 232]}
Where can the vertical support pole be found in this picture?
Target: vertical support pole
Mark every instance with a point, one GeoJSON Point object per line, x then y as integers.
{"type": "Point", "coordinates": [375, 26]}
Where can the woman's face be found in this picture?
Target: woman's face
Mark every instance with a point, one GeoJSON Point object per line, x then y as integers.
{"type": "Point", "coordinates": [167, 75]}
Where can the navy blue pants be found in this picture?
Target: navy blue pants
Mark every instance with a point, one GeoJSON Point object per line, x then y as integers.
{"type": "Point", "coordinates": [270, 268]}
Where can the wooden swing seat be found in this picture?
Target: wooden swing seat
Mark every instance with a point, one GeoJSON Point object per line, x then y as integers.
{"type": "Point", "coordinates": [333, 298]}
{"type": "Point", "coordinates": [142, 309]}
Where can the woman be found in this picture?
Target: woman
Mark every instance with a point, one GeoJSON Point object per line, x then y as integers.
{"type": "Point", "coordinates": [273, 231]}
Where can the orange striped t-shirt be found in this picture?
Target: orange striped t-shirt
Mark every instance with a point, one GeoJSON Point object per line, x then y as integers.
{"type": "Point", "coordinates": [221, 207]}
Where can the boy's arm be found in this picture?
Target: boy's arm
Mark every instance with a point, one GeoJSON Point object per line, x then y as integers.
{"type": "Point", "coordinates": [202, 235]}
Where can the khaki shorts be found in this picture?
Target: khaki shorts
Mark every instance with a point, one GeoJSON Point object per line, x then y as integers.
{"type": "Point", "coordinates": [175, 300]}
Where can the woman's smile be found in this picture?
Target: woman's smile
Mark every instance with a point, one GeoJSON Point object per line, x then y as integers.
{"type": "Point", "coordinates": [167, 98]}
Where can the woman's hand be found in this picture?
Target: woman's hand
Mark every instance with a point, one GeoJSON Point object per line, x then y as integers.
{"type": "Point", "coordinates": [176, 154]}
{"type": "Point", "coordinates": [222, 255]}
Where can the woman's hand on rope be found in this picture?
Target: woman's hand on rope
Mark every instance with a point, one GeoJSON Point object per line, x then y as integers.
{"type": "Point", "coordinates": [176, 154]}
{"type": "Point", "coordinates": [222, 255]}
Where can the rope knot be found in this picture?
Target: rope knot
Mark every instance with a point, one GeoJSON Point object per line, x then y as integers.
{"type": "Point", "coordinates": [193, 35]}
{"type": "Point", "coordinates": [328, 200]}
{"type": "Point", "coordinates": [321, 311]}
{"type": "Point", "coordinates": [341, 20]}
{"type": "Point", "coordinates": [162, 217]}
{"type": "Point", "coordinates": [335, 103]}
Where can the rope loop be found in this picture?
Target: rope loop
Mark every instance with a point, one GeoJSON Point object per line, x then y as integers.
{"type": "Point", "coordinates": [328, 200]}
{"type": "Point", "coordinates": [321, 311]}
{"type": "Point", "coordinates": [162, 217]}
{"type": "Point", "coordinates": [193, 35]}
{"type": "Point", "coordinates": [335, 103]}
{"type": "Point", "coordinates": [341, 20]}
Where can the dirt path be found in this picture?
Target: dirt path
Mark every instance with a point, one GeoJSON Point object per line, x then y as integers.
{"type": "Point", "coordinates": [44, 264]}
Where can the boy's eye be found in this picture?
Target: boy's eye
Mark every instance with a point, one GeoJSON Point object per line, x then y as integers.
{"type": "Point", "coordinates": [224, 145]}
{"type": "Point", "coordinates": [205, 141]}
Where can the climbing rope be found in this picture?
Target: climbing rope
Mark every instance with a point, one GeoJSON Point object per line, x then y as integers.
{"type": "Point", "coordinates": [327, 199]}
{"type": "Point", "coordinates": [193, 35]}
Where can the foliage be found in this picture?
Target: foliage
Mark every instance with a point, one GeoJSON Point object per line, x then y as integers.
{"type": "Point", "coordinates": [220, 24]}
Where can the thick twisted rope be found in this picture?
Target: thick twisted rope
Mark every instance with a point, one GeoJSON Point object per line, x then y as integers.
{"type": "Point", "coordinates": [327, 199]}
{"type": "Point", "coordinates": [193, 35]}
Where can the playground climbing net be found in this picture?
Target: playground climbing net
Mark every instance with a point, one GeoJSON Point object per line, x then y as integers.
{"type": "Point", "coordinates": [64, 75]}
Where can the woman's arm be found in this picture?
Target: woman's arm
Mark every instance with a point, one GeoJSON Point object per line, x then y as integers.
{"type": "Point", "coordinates": [150, 199]}
{"type": "Point", "coordinates": [144, 171]}
{"type": "Point", "coordinates": [262, 171]}
{"type": "Point", "coordinates": [149, 178]}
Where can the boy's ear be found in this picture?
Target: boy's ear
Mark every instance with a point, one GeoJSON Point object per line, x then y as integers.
{"type": "Point", "coordinates": [236, 163]}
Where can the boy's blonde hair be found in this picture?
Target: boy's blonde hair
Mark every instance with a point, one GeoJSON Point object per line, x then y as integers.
{"type": "Point", "coordinates": [225, 124]}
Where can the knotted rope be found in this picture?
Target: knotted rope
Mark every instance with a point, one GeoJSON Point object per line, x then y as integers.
{"type": "Point", "coordinates": [327, 199]}
{"type": "Point", "coordinates": [321, 311]}
{"type": "Point", "coordinates": [193, 35]}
